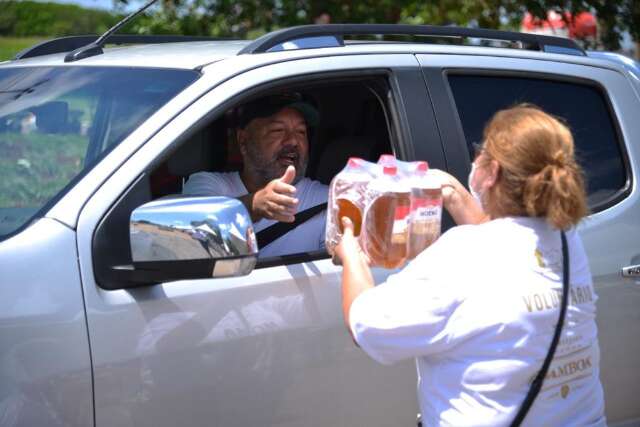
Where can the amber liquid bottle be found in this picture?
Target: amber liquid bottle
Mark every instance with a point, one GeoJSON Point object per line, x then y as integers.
{"type": "Point", "coordinates": [426, 211]}
{"type": "Point", "coordinates": [386, 221]}
{"type": "Point", "coordinates": [346, 198]}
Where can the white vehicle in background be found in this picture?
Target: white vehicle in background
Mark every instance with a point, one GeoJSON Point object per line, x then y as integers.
{"type": "Point", "coordinates": [123, 305]}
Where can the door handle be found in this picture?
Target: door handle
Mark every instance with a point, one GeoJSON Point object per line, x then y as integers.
{"type": "Point", "coordinates": [631, 271]}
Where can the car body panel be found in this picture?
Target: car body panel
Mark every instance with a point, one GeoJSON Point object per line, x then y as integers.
{"type": "Point", "coordinates": [45, 369]}
{"type": "Point", "coordinates": [633, 67]}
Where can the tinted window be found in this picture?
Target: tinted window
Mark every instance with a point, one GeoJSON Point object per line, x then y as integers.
{"type": "Point", "coordinates": [55, 123]}
{"type": "Point", "coordinates": [582, 107]}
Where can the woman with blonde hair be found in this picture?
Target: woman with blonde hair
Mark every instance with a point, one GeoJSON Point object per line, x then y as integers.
{"type": "Point", "coordinates": [496, 339]}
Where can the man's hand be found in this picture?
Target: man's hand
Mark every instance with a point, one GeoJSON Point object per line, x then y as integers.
{"type": "Point", "coordinates": [277, 199]}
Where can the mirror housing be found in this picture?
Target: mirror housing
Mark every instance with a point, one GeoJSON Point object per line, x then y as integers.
{"type": "Point", "coordinates": [190, 238]}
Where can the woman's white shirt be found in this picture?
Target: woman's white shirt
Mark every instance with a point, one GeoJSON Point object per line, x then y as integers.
{"type": "Point", "coordinates": [478, 310]}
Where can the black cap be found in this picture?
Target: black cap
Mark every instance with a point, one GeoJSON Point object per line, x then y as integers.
{"type": "Point", "coordinates": [270, 105]}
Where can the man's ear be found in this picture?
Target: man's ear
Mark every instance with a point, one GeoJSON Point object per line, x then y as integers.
{"type": "Point", "coordinates": [242, 135]}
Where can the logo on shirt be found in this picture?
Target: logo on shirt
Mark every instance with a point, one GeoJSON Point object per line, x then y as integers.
{"type": "Point", "coordinates": [539, 258]}
{"type": "Point", "coordinates": [551, 299]}
{"type": "Point", "coordinates": [572, 368]}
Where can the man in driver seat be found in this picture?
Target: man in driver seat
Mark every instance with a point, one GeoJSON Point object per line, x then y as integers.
{"type": "Point", "coordinates": [273, 142]}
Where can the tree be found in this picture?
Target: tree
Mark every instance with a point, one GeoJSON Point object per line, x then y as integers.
{"type": "Point", "coordinates": [249, 18]}
{"type": "Point", "coordinates": [30, 18]}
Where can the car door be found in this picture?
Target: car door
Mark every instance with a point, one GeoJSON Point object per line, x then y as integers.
{"type": "Point", "coordinates": [598, 102]}
{"type": "Point", "coordinates": [269, 348]}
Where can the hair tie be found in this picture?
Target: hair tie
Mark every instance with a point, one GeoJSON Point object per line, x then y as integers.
{"type": "Point", "coordinates": [558, 159]}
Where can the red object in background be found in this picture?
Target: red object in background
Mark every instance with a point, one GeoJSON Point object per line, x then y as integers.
{"type": "Point", "coordinates": [583, 25]}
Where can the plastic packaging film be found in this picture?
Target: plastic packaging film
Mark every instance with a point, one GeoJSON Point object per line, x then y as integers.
{"type": "Point", "coordinates": [395, 206]}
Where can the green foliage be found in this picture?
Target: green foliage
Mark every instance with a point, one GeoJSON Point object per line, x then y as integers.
{"type": "Point", "coordinates": [481, 13]}
{"type": "Point", "coordinates": [9, 46]}
{"type": "Point", "coordinates": [248, 18]}
{"type": "Point", "coordinates": [29, 18]}
{"type": "Point", "coordinates": [251, 18]}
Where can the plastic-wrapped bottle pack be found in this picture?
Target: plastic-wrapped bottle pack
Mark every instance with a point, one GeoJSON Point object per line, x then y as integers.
{"type": "Point", "coordinates": [396, 208]}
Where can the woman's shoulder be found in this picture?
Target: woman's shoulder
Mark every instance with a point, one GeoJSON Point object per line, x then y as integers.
{"type": "Point", "coordinates": [485, 235]}
{"type": "Point", "coordinates": [468, 232]}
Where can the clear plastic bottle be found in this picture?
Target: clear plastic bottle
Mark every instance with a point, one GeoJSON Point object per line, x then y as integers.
{"type": "Point", "coordinates": [347, 198]}
{"type": "Point", "coordinates": [386, 217]}
{"type": "Point", "coordinates": [426, 210]}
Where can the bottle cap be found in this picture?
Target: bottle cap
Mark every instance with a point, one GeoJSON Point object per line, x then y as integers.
{"type": "Point", "coordinates": [389, 170]}
{"type": "Point", "coordinates": [387, 160]}
{"type": "Point", "coordinates": [354, 162]}
{"type": "Point", "coordinates": [422, 166]}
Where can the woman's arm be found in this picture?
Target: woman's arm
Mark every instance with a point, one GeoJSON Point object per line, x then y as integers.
{"type": "Point", "coordinates": [458, 201]}
{"type": "Point", "coordinates": [356, 274]}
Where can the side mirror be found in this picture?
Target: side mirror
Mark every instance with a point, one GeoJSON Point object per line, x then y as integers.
{"type": "Point", "coordinates": [191, 238]}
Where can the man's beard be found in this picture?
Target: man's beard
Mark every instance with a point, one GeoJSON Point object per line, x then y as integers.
{"type": "Point", "coordinates": [270, 169]}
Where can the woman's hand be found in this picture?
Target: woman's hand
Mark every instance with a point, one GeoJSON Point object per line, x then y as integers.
{"type": "Point", "coordinates": [349, 250]}
{"type": "Point", "coordinates": [457, 200]}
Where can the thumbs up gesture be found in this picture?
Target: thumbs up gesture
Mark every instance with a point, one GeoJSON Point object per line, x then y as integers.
{"type": "Point", "coordinates": [277, 199]}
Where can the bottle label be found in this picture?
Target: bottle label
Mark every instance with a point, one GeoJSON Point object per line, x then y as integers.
{"type": "Point", "coordinates": [400, 219]}
{"type": "Point", "coordinates": [426, 209]}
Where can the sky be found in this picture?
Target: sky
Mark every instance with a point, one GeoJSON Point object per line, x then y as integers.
{"type": "Point", "coordinates": [101, 4]}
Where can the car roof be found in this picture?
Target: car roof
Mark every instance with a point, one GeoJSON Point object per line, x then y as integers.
{"type": "Point", "coordinates": [171, 51]}
{"type": "Point", "coordinates": [628, 63]}
{"type": "Point", "coordinates": [186, 55]}
{"type": "Point", "coordinates": [197, 54]}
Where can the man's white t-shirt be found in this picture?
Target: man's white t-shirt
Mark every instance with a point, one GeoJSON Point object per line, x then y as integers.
{"type": "Point", "coordinates": [308, 236]}
{"type": "Point", "coordinates": [478, 310]}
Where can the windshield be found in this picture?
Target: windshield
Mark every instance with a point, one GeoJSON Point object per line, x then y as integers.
{"type": "Point", "coordinates": [57, 122]}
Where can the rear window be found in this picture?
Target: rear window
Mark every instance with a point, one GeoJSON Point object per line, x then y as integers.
{"type": "Point", "coordinates": [583, 108]}
{"type": "Point", "coordinates": [56, 123]}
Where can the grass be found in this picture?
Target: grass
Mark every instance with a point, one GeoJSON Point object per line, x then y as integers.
{"type": "Point", "coordinates": [9, 46]}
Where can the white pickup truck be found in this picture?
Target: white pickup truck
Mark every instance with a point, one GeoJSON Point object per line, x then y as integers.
{"type": "Point", "coordinates": [96, 329]}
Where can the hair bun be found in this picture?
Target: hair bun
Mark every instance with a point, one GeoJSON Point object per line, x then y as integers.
{"type": "Point", "coordinates": [559, 159]}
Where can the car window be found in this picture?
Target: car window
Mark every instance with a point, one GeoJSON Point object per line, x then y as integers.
{"type": "Point", "coordinates": [57, 122]}
{"type": "Point", "coordinates": [583, 108]}
{"type": "Point", "coordinates": [352, 122]}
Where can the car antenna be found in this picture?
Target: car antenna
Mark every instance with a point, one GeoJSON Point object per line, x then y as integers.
{"type": "Point", "coordinates": [95, 48]}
